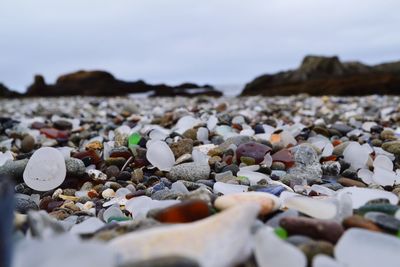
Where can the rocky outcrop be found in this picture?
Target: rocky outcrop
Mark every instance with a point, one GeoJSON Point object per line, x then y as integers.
{"type": "Point", "coordinates": [5, 92]}
{"type": "Point", "coordinates": [329, 76]}
{"type": "Point", "coordinates": [101, 83]}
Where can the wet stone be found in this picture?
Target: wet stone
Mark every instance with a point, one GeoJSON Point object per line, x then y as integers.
{"type": "Point", "coordinates": [252, 150]}
{"type": "Point", "coordinates": [384, 221]}
{"type": "Point", "coordinates": [360, 222]}
{"type": "Point", "coordinates": [314, 228]}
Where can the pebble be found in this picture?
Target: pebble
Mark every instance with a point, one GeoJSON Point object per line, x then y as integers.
{"type": "Point", "coordinates": [191, 171]}
{"type": "Point", "coordinates": [27, 144]}
{"type": "Point", "coordinates": [252, 150]}
{"type": "Point", "coordinates": [314, 228]}
{"type": "Point", "coordinates": [360, 222]}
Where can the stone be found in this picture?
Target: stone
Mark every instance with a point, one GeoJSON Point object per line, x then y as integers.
{"type": "Point", "coordinates": [27, 144]}
{"type": "Point", "coordinates": [314, 228]}
{"type": "Point", "coordinates": [252, 150]}
{"type": "Point", "coordinates": [271, 251]}
{"type": "Point", "coordinates": [315, 208]}
{"type": "Point", "coordinates": [360, 222]}
{"type": "Point", "coordinates": [191, 171]}
{"type": "Point", "coordinates": [284, 156]}
{"type": "Point", "coordinates": [23, 205]}
{"type": "Point", "coordinates": [160, 155]}
{"type": "Point", "coordinates": [359, 247]}
{"type": "Point", "coordinates": [207, 241]}
{"type": "Point", "coordinates": [14, 168]}
{"type": "Point", "coordinates": [384, 221]}
{"type": "Point", "coordinates": [45, 169]}
{"type": "Point", "coordinates": [268, 202]}
{"type": "Point", "coordinates": [305, 154]}
{"type": "Point", "coordinates": [350, 182]}
{"type": "Point", "coordinates": [75, 167]}
{"type": "Point", "coordinates": [184, 212]}
{"type": "Point", "coordinates": [184, 146]}
{"type": "Point", "coordinates": [392, 147]}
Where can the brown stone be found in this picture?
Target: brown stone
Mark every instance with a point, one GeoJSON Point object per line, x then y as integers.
{"type": "Point", "coordinates": [314, 228]}
{"type": "Point", "coordinates": [360, 222]}
{"type": "Point", "coordinates": [350, 182]}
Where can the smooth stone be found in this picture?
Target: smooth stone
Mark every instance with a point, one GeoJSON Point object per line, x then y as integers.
{"type": "Point", "coordinates": [268, 202]}
{"type": "Point", "coordinates": [45, 169]}
{"type": "Point", "coordinates": [342, 128]}
{"type": "Point", "coordinates": [350, 182]}
{"type": "Point", "coordinates": [252, 150]}
{"type": "Point", "coordinates": [380, 207]}
{"type": "Point", "coordinates": [88, 226]}
{"type": "Point", "coordinates": [314, 228]}
{"type": "Point", "coordinates": [27, 144]}
{"type": "Point", "coordinates": [184, 212]}
{"type": "Point", "coordinates": [360, 222]}
{"type": "Point", "coordinates": [171, 261]}
{"type": "Point", "coordinates": [271, 251]}
{"type": "Point", "coordinates": [359, 247]}
{"type": "Point", "coordinates": [160, 155]}
{"type": "Point", "coordinates": [384, 221]}
{"type": "Point", "coordinates": [14, 168]}
{"type": "Point", "coordinates": [361, 196]}
{"type": "Point", "coordinates": [75, 167]}
{"type": "Point", "coordinates": [315, 208]}
{"type": "Point", "coordinates": [191, 171]}
{"type": "Point", "coordinates": [225, 189]}
{"type": "Point", "coordinates": [208, 241]}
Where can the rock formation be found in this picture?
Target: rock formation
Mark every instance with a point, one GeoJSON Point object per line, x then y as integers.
{"type": "Point", "coordinates": [329, 76]}
{"type": "Point", "coordinates": [101, 83]}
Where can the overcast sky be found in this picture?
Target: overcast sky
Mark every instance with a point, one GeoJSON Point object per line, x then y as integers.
{"type": "Point", "coordinates": [208, 41]}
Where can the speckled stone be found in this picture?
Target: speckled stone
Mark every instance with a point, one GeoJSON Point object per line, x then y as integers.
{"type": "Point", "coordinates": [191, 171]}
{"type": "Point", "coordinates": [75, 167]}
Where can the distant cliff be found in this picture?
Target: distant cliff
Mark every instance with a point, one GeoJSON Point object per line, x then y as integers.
{"type": "Point", "coordinates": [5, 92]}
{"type": "Point", "coordinates": [319, 75]}
{"type": "Point", "coordinates": [101, 83]}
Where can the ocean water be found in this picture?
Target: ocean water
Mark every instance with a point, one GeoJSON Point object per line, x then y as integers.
{"type": "Point", "coordinates": [230, 89]}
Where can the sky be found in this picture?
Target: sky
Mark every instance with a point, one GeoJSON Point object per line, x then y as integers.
{"type": "Point", "coordinates": [174, 41]}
